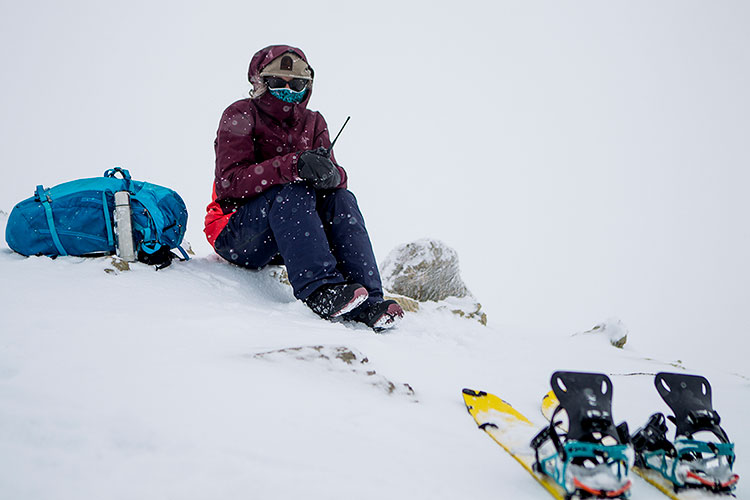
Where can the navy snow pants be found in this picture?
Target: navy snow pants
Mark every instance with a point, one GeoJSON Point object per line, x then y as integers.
{"type": "Point", "coordinates": [320, 235]}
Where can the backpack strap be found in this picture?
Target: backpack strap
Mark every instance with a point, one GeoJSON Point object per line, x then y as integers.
{"type": "Point", "coordinates": [123, 172]}
{"type": "Point", "coordinates": [157, 255]}
{"type": "Point", "coordinates": [183, 252]}
{"type": "Point", "coordinates": [151, 251]}
{"type": "Point", "coordinates": [154, 214]}
{"type": "Point", "coordinates": [44, 197]}
{"type": "Point", "coordinates": [108, 221]}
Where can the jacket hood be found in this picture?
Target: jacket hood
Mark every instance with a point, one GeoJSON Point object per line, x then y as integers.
{"type": "Point", "coordinates": [263, 58]}
{"type": "Point", "coordinates": [278, 109]}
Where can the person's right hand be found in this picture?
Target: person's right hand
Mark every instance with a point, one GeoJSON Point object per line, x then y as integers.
{"type": "Point", "coordinates": [317, 168]}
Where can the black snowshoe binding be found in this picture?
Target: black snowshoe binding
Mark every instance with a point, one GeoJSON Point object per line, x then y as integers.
{"type": "Point", "coordinates": [590, 459]}
{"type": "Point", "coordinates": [689, 461]}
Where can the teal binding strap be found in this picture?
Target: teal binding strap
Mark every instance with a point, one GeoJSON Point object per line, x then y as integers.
{"type": "Point", "coordinates": [108, 221]}
{"type": "Point", "coordinates": [44, 198]}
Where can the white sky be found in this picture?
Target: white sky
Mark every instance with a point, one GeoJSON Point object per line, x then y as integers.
{"type": "Point", "coordinates": [587, 159]}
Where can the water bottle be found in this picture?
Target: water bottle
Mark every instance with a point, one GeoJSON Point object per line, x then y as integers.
{"type": "Point", "coordinates": [124, 227]}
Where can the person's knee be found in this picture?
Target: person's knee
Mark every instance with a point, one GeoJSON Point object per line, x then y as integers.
{"type": "Point", "coordinates": [293, 197]}
{"type": "Point", "coordinates": [296, 190]}
{"type": "Point", "coordinates": [250, 258]}
{"type": "Point", "coordinates": [341, 206]}
{"type": "Point", "coordinates": [342, 197]}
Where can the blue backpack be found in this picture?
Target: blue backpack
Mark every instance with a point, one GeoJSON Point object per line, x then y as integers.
{"type": "Point", "coordinates": [76, 218]}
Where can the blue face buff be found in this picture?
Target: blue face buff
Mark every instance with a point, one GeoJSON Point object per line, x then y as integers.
{"type": "Point", "coordinates": [288, 95]}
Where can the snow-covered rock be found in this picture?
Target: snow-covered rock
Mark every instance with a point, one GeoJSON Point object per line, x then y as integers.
{"type": "Point", "coordinates": [424, 270]}
{"type": "Point", "coordinates": [613, 329]}
{"type": "Point", "coordinates": [427, 270]}
{"type": "Point", "coordinates": [339, 359]}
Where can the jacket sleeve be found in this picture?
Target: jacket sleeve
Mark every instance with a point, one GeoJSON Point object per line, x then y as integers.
{"type": "Point", "coordinates": [237, 174]}
{"type": "Point", "coordinates": [324, 139]}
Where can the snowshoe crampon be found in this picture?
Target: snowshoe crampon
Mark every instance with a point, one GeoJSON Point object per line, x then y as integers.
{"type": "Point", "coordinates": [581, 449]}
{"type": "Point", "coordinates": [701, 455]}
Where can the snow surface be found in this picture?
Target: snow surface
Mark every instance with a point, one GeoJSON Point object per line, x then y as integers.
{"type": "Point", "coordinates": [203, 381]}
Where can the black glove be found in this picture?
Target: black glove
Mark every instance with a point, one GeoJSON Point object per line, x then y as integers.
{"type": "Point", "coordinates": [330, 182]}
{"type": "Point", "coordinates": [316, 167]}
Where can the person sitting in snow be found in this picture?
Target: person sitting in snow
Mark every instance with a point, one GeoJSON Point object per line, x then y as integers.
{"type": "Point", "coordinates": [280, 196]}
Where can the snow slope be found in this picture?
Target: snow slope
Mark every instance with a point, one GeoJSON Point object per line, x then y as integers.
{"type": "Point", "coordinates": [188, 383]}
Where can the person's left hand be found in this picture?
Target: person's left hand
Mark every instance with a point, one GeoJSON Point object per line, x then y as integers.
{"type": "Point", "coordinates": [330, 182]}
{"type": "Point", "coordinates": [335, 178]}
{"type": "Point", "coordinates": [316, 167]}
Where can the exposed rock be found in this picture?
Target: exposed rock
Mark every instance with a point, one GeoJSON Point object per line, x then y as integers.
{"type": "Point", "coordinates": [340, 359]}
{"type": "Point", "coordinates": [613, 330]}
{"type": "Point", "coordinates": [406, 303]}
{"type": "Point", "coordinates": [187, 247]}
{"type": "Point", "coordinates": [116, 265]}
{"type": "Point", "coordinates": [120, 265]}
{"type": "Point", "coordinates": [427, 270]}
{"type": "Point", "coordinates": [469, 309]}
{"type": "Point", "coordinates": [279, 273]}
{"type": "Point", "coordinates": [674, 364]}
{"type": "Point", "coordinates": [424, 270]}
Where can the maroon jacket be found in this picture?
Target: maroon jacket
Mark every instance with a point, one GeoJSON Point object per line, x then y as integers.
{"type": "Point", "coordinates": [257, 145]}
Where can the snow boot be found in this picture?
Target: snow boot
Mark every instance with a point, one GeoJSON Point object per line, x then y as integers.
{"type": "Point", "coordinates": [331, 301]}
{"type": "Point", "coordinates": [380, 315]}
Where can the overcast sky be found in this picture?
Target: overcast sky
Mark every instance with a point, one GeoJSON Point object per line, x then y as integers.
{"type": "Point", "coordinates": [587, 159]}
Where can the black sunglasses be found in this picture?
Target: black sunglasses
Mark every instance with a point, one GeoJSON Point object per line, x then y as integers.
{"type": "Point", "coordinates": [296, 84]}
